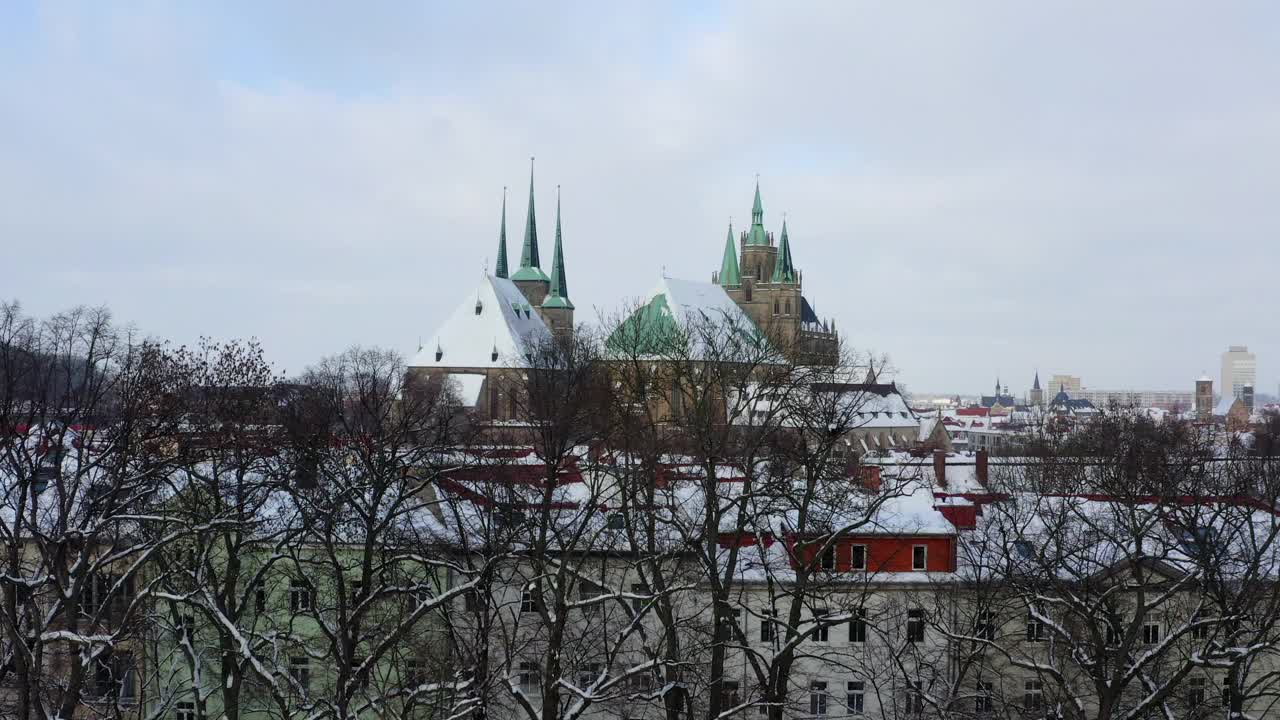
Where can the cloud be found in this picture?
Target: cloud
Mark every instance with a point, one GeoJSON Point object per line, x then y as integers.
{"type": "Point", "coordinates": [972, 189]}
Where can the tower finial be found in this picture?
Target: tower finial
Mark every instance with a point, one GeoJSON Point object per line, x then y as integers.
{"type": "Point", "coordinates": [558, 294]}
{"type": "Point", "coordinates": [500, 267]}
{"type": "Point", "coordinates": [530, 263]}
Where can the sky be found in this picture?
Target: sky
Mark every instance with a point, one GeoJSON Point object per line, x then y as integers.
{"type": "Point", "coordinates": [974, 188]}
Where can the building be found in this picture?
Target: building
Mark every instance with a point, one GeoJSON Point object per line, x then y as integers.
{"type": "Point", "coordinates": [1231, 413]}
{"type": "Point", "coordinates": [1239, 367]}
{"type": "Point", "coordinates": [763, 279]}
{"type": "Point", "coordinates": [1068, 383]}
{"type": "Point", "coordinates": [1036, 396]}
{"type": "Point", "coordinates": [1204, 398]}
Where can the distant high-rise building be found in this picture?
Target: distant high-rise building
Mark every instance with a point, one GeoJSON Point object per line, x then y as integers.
{"type": "Point", "coordinates": [1204, 398]}
{"type": "Point", "coordinates": [1246, 394]}
{"type": "Point", "coordinates": [1239, 368]}
{"type": "Point", "coordinates": [1070, 383]}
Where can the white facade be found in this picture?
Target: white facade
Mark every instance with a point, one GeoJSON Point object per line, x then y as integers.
{"type": "Point", "coordinates": [1239, 368]}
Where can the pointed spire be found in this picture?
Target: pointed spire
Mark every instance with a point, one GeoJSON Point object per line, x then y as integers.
{"type": "Point", "coordinates": [530, 264]}
{"type": "Point", "coordinates": [784, 271]}
{"type": "Point", "coordinates": [757, 234]}
{"type": "Point", "coordinates": [1036, 384]}
{"type": "Point", "coordinates": [729, 273]}
{"type": "Point", "coordinates": [500, 269]}
{"type": "Point", "coordinates": [558, 295]}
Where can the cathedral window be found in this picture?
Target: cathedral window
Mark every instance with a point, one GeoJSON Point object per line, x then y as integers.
{"type": "Point", "coordinates": [788, 306]}
{"type": "Point", "coordinates": [775, 307]}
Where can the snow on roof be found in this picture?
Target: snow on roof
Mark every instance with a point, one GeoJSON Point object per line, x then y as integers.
{"type": "Point", "coordinates": [495, 318]}
{"type": "Point", "coordinates": [1224, 405]}
{"type": "Point", "coordinates": [675, 306]}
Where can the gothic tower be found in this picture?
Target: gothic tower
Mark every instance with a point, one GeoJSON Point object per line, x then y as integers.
{"type": "Point", "coordinates": [533, 283]}
{"type": "Point", "coordinates": [556, 308]}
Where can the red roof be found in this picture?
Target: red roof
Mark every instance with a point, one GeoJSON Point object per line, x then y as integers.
{"type": "Point", "coordinates": [974, 411]}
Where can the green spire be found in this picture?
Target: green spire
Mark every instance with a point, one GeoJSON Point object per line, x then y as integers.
{"type": "Point", "coordinates": [784, 271]}
{"type": "Point", "coordinates": [729, 274]}
{"type": "Point", "coordinates": [558, 296]}
{"type": "Point", "coordinates": [500, 269]}
{"type": "Point", "coordinates": [529, 262]}
{"type": "Point", "coordinates": [757, 235]}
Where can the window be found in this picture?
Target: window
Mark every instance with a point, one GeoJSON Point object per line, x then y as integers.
{"type": "Point", "coordinates": [821, 630]}
{"type": "Point", "coordinates": [260, 595]}
{"type": "Point", "coordinates": [300, 671]}
{"type": "Point", "coordinates": [528, 602]}
{"type": "Point", "coordinates": [858, 626]}
{"type": "Point", "coordinates": [1023, 548]}
{"type": "Point", "coordinates": [728, 694]}
{"type": "Point", "coordinates": [915, 625]}
{"type": "Point", "coordinates": [1032, 695]}
{"type": "Point", "coordinates": [1227, 691]}
{"type": "Point", "coordinates": [113, 677]}
{"type": "Point", "coordinates": [413, 672]}
{"type": "Point", "coordinates": [915, 698]}
{"type": "Point", "coordinates": [638, 603]}
{"type": "Point", "coordinates": [855, 697]}
{"type": "Point", "coordinates": [985, 629]}
{"type": "Point", "coordinates": [818, 698]}
{"type": "Point", "coordinates": [588, 674]}
{"type": "Point", "coordinates": [1114, 635]}
{"type": "Point", "coordinates": [588, 590]}
{"type": "Point", "coordinates": [1199, 632]}
{"type": "Point", "coordinates": [527, 678]}
{"type": "Point", "coordinates": [1035, 629]}
{"type": "Point", "coordinates": [471, 601]}
{"type": "Point", "coordinates": [775, 307]}
{"type": "Point", "coordinates": [1195, 692]}
{"type": "Point", "coordinates": [858, 557]}
{"type": "Point", "coordinates": [185, 710]}
{"type": "Point", "coordinates": [919, 557]}
{"type": "Point", "coordinates": [829, 558]}
{"type": "Point", "coordinates": [983, 703]}
{"type": "Point", "coordinates": [299, 596]}
{"type": "Point", "coordinates": [617, 521]}
{"type": "Point", "coordinates": [728, 621]}
{"type": "Point", "coordinates": [767, 619]}
{"type": "Point", "coordinates": [186, 628]}
{"type": "Point", "coordinates": [1150, 633]}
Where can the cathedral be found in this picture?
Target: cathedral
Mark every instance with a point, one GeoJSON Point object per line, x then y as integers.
{"type": "Point", "coordinates": [496, 328]}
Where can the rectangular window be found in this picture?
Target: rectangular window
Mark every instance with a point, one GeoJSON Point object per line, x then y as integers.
{"type": "Point", "coordinates": [1199, 632]}
{"type": "Point", "coordinates": [300, 671]}
{"type": "Point", "coordinates": [858, 626]}
{"type": "Point", "coordinates": [986, 626]}
{"type": "Point", "coordinates": [1195, 692]}
{"type": "Point", "coordinates": [114, 678]}
{"type": "Point", "coordinates": [1032, 695]}
{"type": "Point", "coordinates": [821, 631]}
{"type": "Point", "coordinates": [915, 625]}
{"type": "Point", "coordinates": [1035, 629]}
{"type": "Point", "coordinates": [855, 697]}
{"type": "Point", "coordinates": [818, 698]}
{"type": "Point", "coordinates": [1227, 691]}
{"type": "Point", "coordinates": [185, 710]}
{"type": "Point", "coordinates": [260, 596]}
{"type": "Point", "coordinates": [638, 603]}
{"type": "Point", "coordinates": [767, 619]}
{"type": "Point", "coordinates": [919, 557]}
{"type": "Point", "coordinates": [915, 698]}
{"type": "Point", "coordinates": [299, 596]}
{"type": "Point", "coordinates": [186, 628]}
{"type": "Point", "coordinates": [858, 557]}
{"type": "Point", "coordinates": [984, 703]}
{"type": "Point", "coordinates": [471, 601]}
{"type": "Point", "coordinates": [1150, 633]}
{"type": "Point", "coordinates": [829, 558]}
{"type": "Point", "coordinates": [728, 694]}
{"type": "Point", "coordinates": [528, 603]}
{"type": "Point", "coordinates": [588, 675]}
{"type": "Point", "coordinates": [528, 677]}
{"type": "Point", "coordinates": [588, 590]}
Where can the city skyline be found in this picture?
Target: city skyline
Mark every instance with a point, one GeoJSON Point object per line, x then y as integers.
{"type": "Point", "coordinates": [981, 198]}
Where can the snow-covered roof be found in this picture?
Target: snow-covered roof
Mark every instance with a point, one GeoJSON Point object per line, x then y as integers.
{"type": "Point", "coordinates": [681, 316]}
{"type": "Point", "coordinates": [1224, 405]}
{"type": "Point", "coordinates": [494, 326]}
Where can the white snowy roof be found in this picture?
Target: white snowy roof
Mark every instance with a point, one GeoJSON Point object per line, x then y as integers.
{"type": "Point", "coordinates": [494, 318]}
{"type": "Point", "coordinates": [1224, 405]}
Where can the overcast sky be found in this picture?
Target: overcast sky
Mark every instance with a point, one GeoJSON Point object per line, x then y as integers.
{"type": "Point", "coordinates": [970, 187]}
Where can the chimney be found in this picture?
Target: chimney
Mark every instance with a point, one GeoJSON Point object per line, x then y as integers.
{"type": "Point", "coordinates": [869, 475]}
{"type": "Point", "coordinates": [981, 468]}
{"type": "Point", "coordinates": [940, 467]}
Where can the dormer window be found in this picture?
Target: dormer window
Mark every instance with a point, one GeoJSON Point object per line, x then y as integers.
{"type": "Point", "coordinates": [479, 307]}
{"type": "Point", "coordinates": [439, 353]}
{"type": "Point", "coordinates": [494, 355]}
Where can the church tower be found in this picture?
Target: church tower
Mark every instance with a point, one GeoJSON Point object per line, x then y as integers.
{"type": "Point", "coordinates": [763, 280]}
{"type": "Point", "coordinates": [1037, 394]}
{"type": "Point", "coordinates": [533, 283]}
{"type": "Point", "coordinates": [556, 308]}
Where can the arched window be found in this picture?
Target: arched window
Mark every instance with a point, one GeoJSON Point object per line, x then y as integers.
{"type": "Point", "coordinates": [775, 307]}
